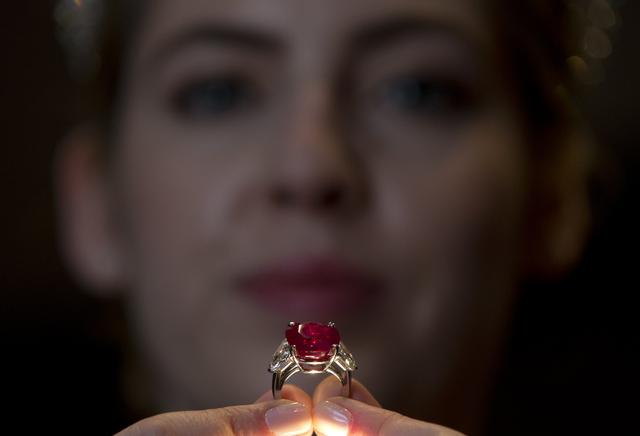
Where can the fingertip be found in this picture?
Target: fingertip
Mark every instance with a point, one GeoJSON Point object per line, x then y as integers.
{"type": "Point", "coordinates": [331, 387]}
{"type": "Point", "coordinates": [342, 416]}
{"type": "Point", "coordinates": [330, 418]}
{"type": "Point", "coordinates": [289, 418]}
{"type": "Point", "coordinates": [289, 392]}
{"type": "Point", "coordinates": [360, 393]}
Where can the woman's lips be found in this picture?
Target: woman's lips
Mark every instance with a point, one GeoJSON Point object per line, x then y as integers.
{"type": "Point", "coordinates": [311, 286]}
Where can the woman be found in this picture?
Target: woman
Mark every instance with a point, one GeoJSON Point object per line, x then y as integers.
{"type": "Point", "coordinates": [395, 166]}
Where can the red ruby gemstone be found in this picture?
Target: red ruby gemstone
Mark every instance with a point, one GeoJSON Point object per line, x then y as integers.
{"type": "Point", "coordinates": [313, 341]}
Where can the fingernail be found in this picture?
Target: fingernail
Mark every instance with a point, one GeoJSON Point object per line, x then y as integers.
{"type": "Point", "coordinates": [331, 419]}
{"type": "Point", "coordinates": [289, 419]}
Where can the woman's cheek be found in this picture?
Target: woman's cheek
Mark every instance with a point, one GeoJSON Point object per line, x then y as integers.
{"type": "Point", "coordinates": [465, 205]}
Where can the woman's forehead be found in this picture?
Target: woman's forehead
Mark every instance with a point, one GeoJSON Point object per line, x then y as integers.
{"type": "Point", "coordinates": [296, 22]}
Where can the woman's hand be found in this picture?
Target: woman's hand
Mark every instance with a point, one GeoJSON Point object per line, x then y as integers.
{"type": "Point", "coordinates": [289, 416]}
{"type": "Point", "coordinates": [297, 414]}
{"type": "Point", "coordinates": [362, 414]}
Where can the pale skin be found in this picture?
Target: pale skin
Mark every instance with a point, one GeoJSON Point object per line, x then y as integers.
{"type": "Point", "coordinates": [432, 199]}
{"type": "Point", "coordinates": [326, 413]}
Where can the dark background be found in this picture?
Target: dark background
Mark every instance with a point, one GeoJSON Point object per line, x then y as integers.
{"type": "Point", "coordinates": [572, 367]}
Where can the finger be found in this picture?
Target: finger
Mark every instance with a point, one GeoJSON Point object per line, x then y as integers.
{"type": "Point", "coordinates": [342, 416]}
{"type": "Point", "coordinates": [281, 417]}
{"type": "Point", "coordinates": [330, 387]}
{"type": "Point", "coordinates": [289, 392]}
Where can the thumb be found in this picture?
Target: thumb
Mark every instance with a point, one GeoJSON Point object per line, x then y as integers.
{"type": "Point", "coordinates": [343, 416]}
{"type": "Point", "coordinates": [331, 387]}
{"type": "Point", "coordinates": [281, 417]}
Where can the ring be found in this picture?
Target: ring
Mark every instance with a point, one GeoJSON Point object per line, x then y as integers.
{"type": "Point", "coordinates": [311, 348]}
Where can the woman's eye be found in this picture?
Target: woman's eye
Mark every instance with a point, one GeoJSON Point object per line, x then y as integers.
{"type": "Point", "coordinates": [213, 97]}
{"type": "Point", "coordinates": [427, 96]}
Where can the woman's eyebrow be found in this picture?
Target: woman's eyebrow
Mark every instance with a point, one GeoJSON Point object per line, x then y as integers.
{"type": "Point", "coordinates": [217, 34]}
{"type": "Point", "coordinates": [390, 30]}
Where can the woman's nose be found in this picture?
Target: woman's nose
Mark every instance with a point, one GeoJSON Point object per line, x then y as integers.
{"type": "Point", "coordinates": [316, 170]}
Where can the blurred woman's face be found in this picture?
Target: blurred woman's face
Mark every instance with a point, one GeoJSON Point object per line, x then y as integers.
{"type": "Point", "coordinates": [358, 161]}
